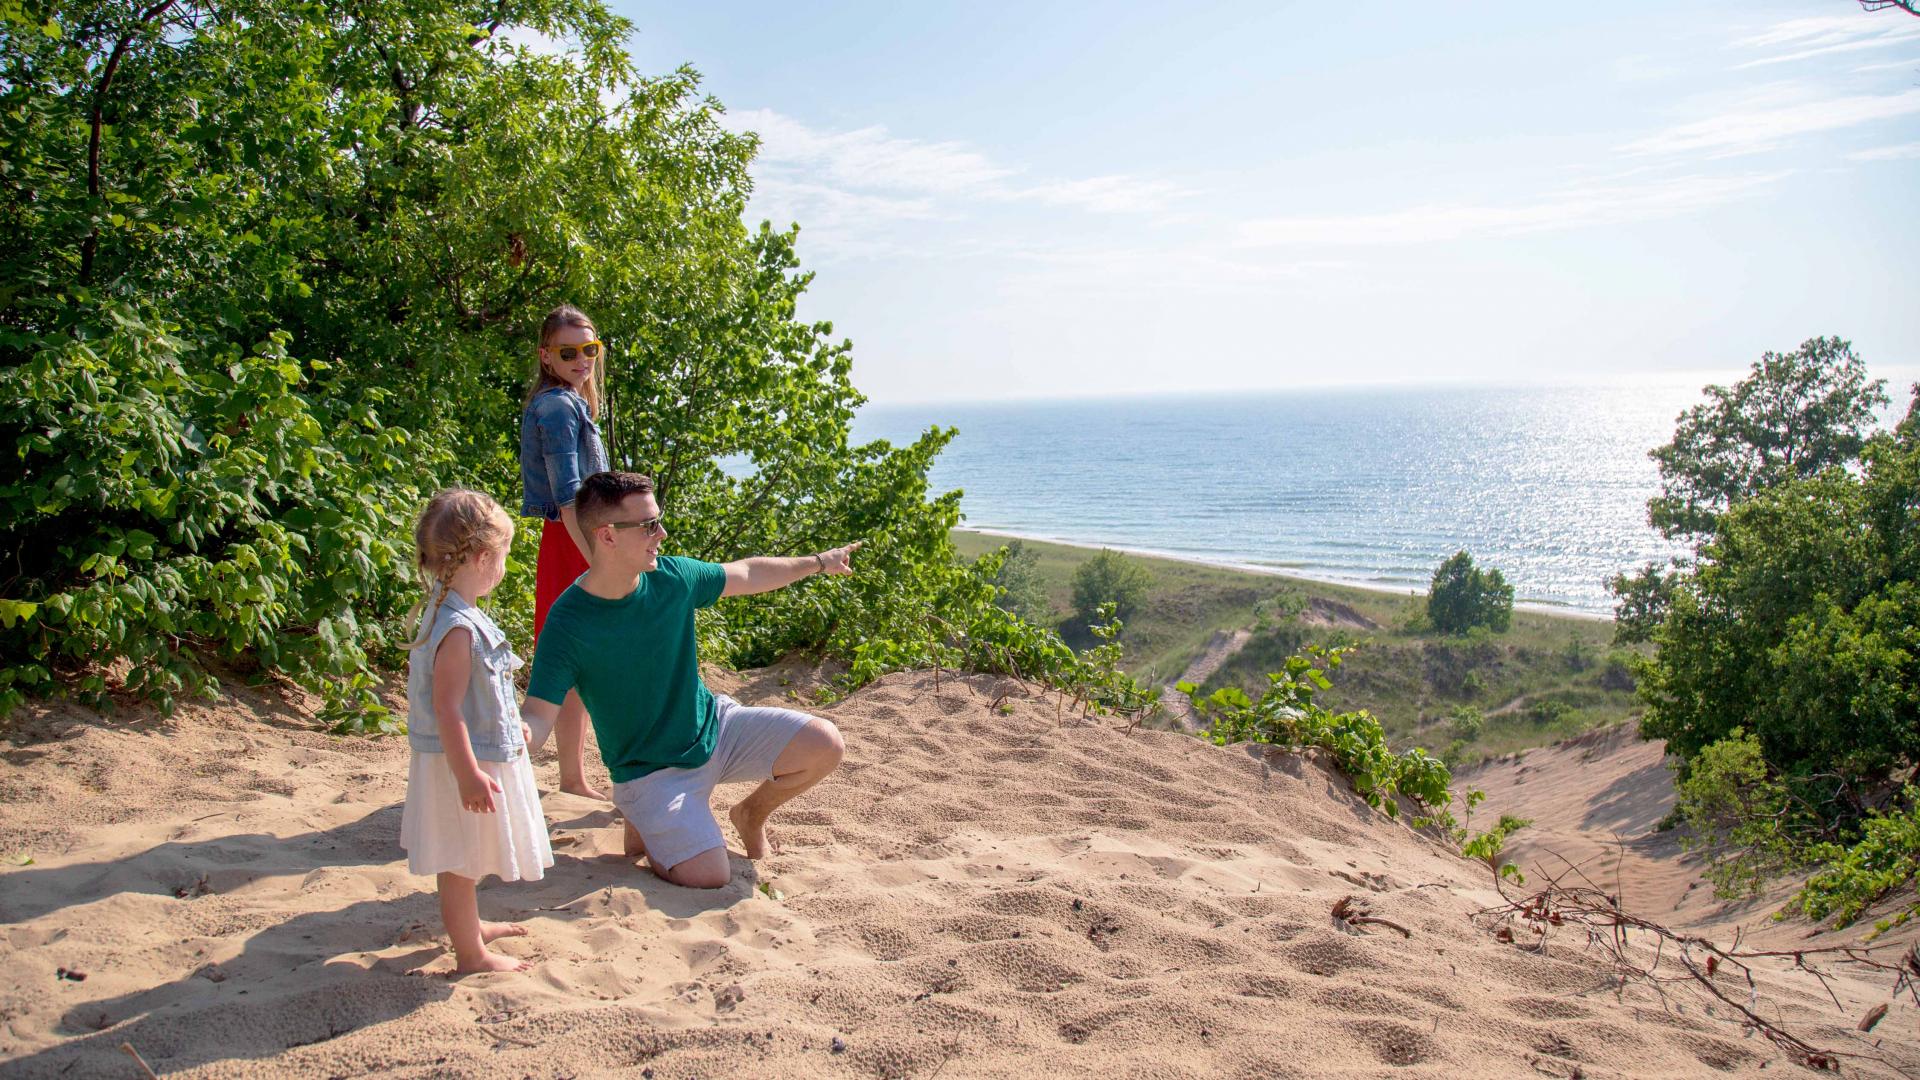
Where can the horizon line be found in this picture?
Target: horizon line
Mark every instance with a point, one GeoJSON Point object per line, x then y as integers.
{"type": "Point", "coordinates": [1697, 378]}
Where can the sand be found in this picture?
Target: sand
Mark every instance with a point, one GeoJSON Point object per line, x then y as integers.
{"type": "Point", "coordinates": [1596, 802]}
{"type": "Point", "coordinates": [985, 889]}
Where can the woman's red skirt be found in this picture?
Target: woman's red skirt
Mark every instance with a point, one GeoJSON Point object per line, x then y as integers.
{"type": "Point", "coordinates": [560, 562]}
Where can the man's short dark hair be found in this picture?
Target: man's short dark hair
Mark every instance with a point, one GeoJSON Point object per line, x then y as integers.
{"type": "Point", "coordinates": [600, 496]}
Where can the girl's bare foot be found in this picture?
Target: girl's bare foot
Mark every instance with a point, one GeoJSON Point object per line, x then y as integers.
{"type": "Point", "coordinates": [631, 845]}
{"type": "Point", "coordinates": [582, 789]}
{"type": "Point", "coordinates": [491, 961]}
{"type": "Point", "coordinates": [494, 931]}
{"type": "Point", "coordinates": [752, 829]}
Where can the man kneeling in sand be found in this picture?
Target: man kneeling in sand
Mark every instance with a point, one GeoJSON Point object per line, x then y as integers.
{"type": "Point", "coordinates": [622, 634]}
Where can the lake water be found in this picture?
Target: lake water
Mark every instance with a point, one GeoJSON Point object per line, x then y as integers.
{"type": "Point", "coordinates": [1366, 486]}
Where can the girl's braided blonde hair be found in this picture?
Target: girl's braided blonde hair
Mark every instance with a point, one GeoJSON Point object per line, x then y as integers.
{"type": "Point", "coordinates": [457, 524]}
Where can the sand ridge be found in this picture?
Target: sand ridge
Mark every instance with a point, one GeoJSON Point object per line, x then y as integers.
{"type": "Point", "coordinates": [987, 888]}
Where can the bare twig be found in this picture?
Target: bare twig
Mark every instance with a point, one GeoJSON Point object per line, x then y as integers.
{"type": "Point", "coordinates": [1350, 911]}
{"type": "Point", "coordinates": [1529, 920]}
{"type": "Point", "coordinates": [145, 1069]}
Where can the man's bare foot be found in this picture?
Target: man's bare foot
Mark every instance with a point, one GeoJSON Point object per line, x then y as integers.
{"type": "Point", "coordinates": [631, 845]}
{"type": "Point", "coordinates": [582, 789]}
{"type": "Point", "coordinates": [491, 961]}
{"type": "Point", "coordinates": [752, 830]}
{"type": "Point", "coordinates": [494, 931]}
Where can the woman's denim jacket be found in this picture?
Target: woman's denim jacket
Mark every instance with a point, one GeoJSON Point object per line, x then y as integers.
{"type": "Point", "coordinates": [489, 706]}
{"type": "Point", "coordinates": [559, 447]}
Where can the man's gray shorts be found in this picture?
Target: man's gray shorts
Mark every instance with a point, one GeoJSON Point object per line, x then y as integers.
{"type": "Point", "coordinates": [669, 806]}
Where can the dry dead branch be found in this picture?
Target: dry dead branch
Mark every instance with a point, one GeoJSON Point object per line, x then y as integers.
{"type": "Point", "coordinates": [1351, 911]}
{"type": "Point", "coordinates": [1663, 958]}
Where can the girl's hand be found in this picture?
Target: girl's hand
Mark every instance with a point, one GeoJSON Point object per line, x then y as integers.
{"type": "Point", "coordinates": [476, 791]}
{"type": "Point", "coordinates": [526, 736]}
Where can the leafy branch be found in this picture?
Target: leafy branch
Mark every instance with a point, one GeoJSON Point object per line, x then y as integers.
{"type": "Point", "coordinates": [1289, 716]}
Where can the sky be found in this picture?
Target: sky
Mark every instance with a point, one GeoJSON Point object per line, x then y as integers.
{"type": "Point", "coordinates": [1051, 200]}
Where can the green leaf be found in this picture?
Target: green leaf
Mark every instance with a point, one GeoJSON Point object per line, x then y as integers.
{"type": "Point", "coordinates": [15, 611]}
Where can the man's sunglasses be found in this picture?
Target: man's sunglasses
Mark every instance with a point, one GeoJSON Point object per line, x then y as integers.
{"type": "Point", "coordinates": [570, 353]}
{"type": "Point", "coordinates": [649, 527]}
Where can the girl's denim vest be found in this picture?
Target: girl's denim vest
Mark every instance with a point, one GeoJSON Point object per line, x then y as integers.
{"type": "Point", "coordinates": [559, 447]}
{"type": "Point", "coordinates": [489, 707]}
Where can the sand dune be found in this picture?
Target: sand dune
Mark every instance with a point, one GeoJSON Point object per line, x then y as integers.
{"type": "Point", "coordinates": [985, 890]}
{"type": "Point", "coordinates": [1595, 802]}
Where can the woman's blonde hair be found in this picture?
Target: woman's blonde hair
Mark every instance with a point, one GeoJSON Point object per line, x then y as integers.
{"type": "Point", "coordinates": [558, 319]}
{"type": "Point", "coordinates": [457, 524]}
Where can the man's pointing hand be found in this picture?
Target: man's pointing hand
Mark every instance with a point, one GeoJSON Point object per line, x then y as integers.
{"type": "Point", "coordinates": [839, 560]}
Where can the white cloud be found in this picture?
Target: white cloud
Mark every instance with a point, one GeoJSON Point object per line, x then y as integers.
{"type": "Point", "coordinates": [867, 157]}
{"type": "Point", "coordinates": [1107, 194]}
{"type": "Point", "coordinates": [1910, 62]}
{"type": "Point", "coordinates": [1159, 271]}
{"type": "Point", "coordinates": [870, 159]}
{"type": "Point", "coordinates": [1887, 153]}
{"type": "Point", "coordinates": [837, 223]}
{"type": "Point", "coordinates": [1750, 130]}
{"type": "Point", "coordinates": [1808, 38]}
{"type": "Point", "coordinates": [1572, 208]}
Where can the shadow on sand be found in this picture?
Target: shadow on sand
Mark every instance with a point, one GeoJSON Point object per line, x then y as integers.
{"type": "Point", "coordinates": [305, 979]}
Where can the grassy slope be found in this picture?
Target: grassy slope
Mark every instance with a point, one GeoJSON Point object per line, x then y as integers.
{"type": "Point", "coordinates": [1410, 679]}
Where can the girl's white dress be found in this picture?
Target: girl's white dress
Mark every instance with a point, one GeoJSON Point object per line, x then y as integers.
{"type": "Point", "coordinates": [440, 835]}
{"type": "Point", "coordinates": [443, 838]}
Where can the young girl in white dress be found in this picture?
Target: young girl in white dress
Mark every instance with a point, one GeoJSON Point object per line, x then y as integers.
{"type": "Point", "coordinates": [472, 808]}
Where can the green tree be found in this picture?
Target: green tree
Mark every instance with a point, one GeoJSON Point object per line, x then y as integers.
{"type": "Point", "coordinates": [1793, 416]}
{"type": "Point", "coordinates": [1462, 596]}
{"type": "Point", "coordinates": [1110, 578]}
{"type": "Point", "coordinates": [1641, 600]}
{"type": "Point", "coordinates": [1801, 624]}
{"type": "Point", "coordinates": [270, 272]}
{"type": "Point", "coordinates": [1467, 723]}
{"type": "Point", "coordinates": [1023, 590]}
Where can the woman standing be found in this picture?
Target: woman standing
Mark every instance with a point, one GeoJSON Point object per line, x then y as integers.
{"type": "Point", "coordinates": [560, 446]}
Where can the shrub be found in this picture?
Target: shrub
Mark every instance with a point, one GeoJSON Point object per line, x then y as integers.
{"type": "Point", "coordinates": [1022, 590]}
{"type": "Point", "coordinates": [1110, 578]}
{"type": "Point", "coordinates": [153, 511]}
{"type": "Point", "coordinates": [1453, 666]}
{"type": "Point", "coordinates": [1545, 712]}
{"type": "Point", "coordinates": [1463, 596]}
{"type": "Point", "coordinates": [1740, 815]}
{"type": "Point", "coordinates": [1467, 722]}
{"type": "Point", "coordinates": [1854, 878]}
{"type": "Point", "coordinates": [1577, 654]}
{"type": "Point", "coordinates": [951, 620]}
{"type": "Point", "coordinates": [1617, 673]}
{"type": "Point", "coordinates": [1288, 715]}
{"type": "Point", "coordinates": [1490, 847]}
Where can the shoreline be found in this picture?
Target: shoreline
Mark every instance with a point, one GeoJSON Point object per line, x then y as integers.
{"type": "Point", "coordinates": [1531, 606]}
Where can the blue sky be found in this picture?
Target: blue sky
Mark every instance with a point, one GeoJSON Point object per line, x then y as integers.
{"type": "Point", "coordinates": [1080, 199]}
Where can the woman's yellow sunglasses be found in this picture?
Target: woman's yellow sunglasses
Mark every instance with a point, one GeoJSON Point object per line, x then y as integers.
{"type": "Point", "coordinates": [569, 353]}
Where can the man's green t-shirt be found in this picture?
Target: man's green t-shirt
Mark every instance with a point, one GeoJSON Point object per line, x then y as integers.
{"type": "Point", "coordinates": [634, 662]}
